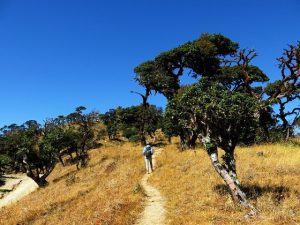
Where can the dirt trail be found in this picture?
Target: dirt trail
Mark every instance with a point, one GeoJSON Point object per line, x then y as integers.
{"type": "Point", "coordinates": [16, 187]}
{"type": "Point", "coordinates": [154, 212]}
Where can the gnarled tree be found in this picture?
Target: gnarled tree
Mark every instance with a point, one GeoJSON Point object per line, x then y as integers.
{"type": "Point", "coordinates": [201, 57]}
{"type": "Point", "coordinates": [286, 91]}
{"type": "Point", "coordinates": [219, 116]}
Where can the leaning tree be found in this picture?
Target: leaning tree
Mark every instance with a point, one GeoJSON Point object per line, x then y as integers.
{"type": "Point", "coordinates": [31, 149]}
{"type": "Point", "coordinates": [219, 116]}
{"type": "Point", "coordinates": [228, 103]}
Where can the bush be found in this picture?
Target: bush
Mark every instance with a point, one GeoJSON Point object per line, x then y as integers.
{"type": "Point", "coordinates": [5, 161]}
{"type": "Point", "coordinates": [131, 133]}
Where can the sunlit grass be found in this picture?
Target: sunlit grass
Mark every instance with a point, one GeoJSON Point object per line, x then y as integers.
{"type": "Point", "coordinates": [196, 194]}
{"type": "Point", "coordinates": [102, 193]}
{"type": "Point", "coordinates": [108, 191]}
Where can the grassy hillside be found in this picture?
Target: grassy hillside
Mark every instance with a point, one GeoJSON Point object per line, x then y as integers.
{"type": "Point", "coordinates": [106, 192]}
{"type": "Point", "coordinates": [196, 194]}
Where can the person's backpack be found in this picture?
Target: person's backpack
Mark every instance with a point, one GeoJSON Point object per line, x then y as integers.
{"type": "Point", "coordinates": [148, 152]}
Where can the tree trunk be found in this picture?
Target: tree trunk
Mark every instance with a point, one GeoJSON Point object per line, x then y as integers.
{"type": "Point", "coordinates": [183, 144]}
{"type": "Point", "coordinates": [61, 159]}
{"type": "Point", "coordinates": [231, 166]}
{"type": "Point", "coordinates": [192, 141]}
{"type": "Point", "coordinates": [237, 194]}
{"type": "Point", "coordinates": [287, 136]}
{"type": "Point", "coordinates": [40, 181]}
{"type": "Point", "coordinates": [82, 160]}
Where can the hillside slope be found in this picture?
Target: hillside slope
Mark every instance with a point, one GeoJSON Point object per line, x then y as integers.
{"type": "Point", "coordinates": [16, 187]}
{"type": "Point", "coordinates": [105, 192]}
{"type": "Point", "coordinates": [195, 194]}
{"type": "Point", "coordinates": [108, 190]}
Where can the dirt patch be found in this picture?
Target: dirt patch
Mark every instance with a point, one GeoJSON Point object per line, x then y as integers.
{"type": "Point", "coordinates": [16, 187]}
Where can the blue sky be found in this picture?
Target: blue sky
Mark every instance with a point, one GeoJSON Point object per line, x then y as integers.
{"type": "Point", "coordinates": [56, 55]}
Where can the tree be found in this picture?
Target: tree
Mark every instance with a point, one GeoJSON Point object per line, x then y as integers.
{"type": "Point", "coordinates": [11, 141]}
{"type": "Point", "coordinates": [40, 159]}
{"type": "Point", "coordinates": [285, 91]}
{"type": "Point", "coordinates": [133, 122]}
{"type": "Point", "coordinates": [82, 134]}
{"type": "Point", "coordinates": [26, 148]}
{"type": "Point", "coordinates": [145, 120]}
{"type": "Point", "coordinates": [227, 106]}
{"type": "Point", "coordinates": [112, 122]}
{"type": "Point", "coordinates": [36, 149]}
{"type": "Point", "coordinates": [5, 162]}
{"type": "Point", "coordinates": [178, 122]}
{"type": "Point", "coordinates": [218, 116]}
{"type": "Point", "coordinates": [144, 115]}
{"type": "Point", "coordinates": [201, 57]}
{"type": "Point", "coordinates": [221, 109]}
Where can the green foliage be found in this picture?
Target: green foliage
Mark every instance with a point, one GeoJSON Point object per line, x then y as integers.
{"type": "Point", "coordinates": [149, 75]}
{"type": "Point", "coordinates": [200, 57]}
{"type": "Point", "coordinates": [219, 60]}
{"type": "Point", "coordinates": [131, 133]}
{"type": "Point", "coordinates": [132, 121]}
{"type": "Point", "coordinates": [234, 76]}
{"type": "Point", "coordinates": [112, 121]}
{"type": "Point", "coordinates": [5, 162]}
{"type": "Point", "coordinates": [211, 108]}
{"type": "Point", "coordinates": [137, 119]}
{"type": "Point", "coordinates": [273, 87]}
{"type": "Point", "coordinates": [36, 148]}
{"type": "Point", "coordinates": [101, 134]}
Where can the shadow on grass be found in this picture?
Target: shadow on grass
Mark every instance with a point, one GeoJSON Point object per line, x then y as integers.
{"type": "Point", "coordinates": [2, 181]}
{"type": "Point", "coordinates": [94, 146]}
{"type": "Point", "coordinates": [159, 144]}
{"type": "Point", "coordinates": [117, 140]}
{"type": "Point", "coordinates": [64, 176]}
{"type": "Point", "coordinates": [278, 193]}
{"type": "Point", "coordinates": [4, 177]}
{"type": "Point", "coordinates": [5, 190]}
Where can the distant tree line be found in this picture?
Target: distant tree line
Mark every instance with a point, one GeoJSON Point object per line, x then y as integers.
{"type": "Point", "coordinates": [133, 123]}
{"type": "Point", "coordinates": [36, 149]}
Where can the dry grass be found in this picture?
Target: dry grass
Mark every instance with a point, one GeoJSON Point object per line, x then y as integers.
{"type": "Point", "coordinates": [108, 191]}
{"type": "Point", "coordinates": [105, 192]}
{"type": "Point", "coordinates": [196, 194]}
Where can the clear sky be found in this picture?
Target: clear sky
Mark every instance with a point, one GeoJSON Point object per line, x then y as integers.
{"type": "Point", "coordinates": [56, 54]}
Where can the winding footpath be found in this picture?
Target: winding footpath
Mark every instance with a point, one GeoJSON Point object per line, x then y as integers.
{"type": "Point", "coordinates": [154, 212]}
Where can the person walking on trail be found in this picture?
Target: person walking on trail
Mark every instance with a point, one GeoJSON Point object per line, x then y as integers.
{"type": "Point", "coordinates": [147, 153]}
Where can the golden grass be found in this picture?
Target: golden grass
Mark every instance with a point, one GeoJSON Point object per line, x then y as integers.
{"type": "Point", "coordinates": [105, 192]}
{"type": "Point", "coordinates": [108, 191]}
{"type": "Point", "coordinates": [195, 194]}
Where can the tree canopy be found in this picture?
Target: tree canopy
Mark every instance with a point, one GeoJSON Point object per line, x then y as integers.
{"type": "Point", "coordinates": [36, 149]}
{"type": "Point", "coordinates": [228, 103]}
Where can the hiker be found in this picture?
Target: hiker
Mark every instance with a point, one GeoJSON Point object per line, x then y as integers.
{"type": "Point", "coordinates": [147, 153]}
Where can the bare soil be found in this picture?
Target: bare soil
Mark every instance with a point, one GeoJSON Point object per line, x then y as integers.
{"type": "Point", "coordinates": [16, 186]}
{"type": "Point", "coordinates": [154, 212]}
